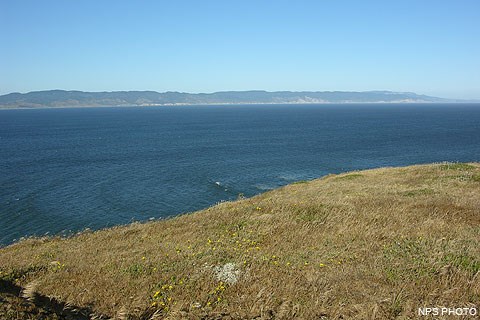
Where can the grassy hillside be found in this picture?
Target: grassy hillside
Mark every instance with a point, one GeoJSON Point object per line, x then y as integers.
{"type": "Point", "coordinates": [375, 244]}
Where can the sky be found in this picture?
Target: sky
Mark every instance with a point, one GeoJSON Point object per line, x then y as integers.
{"type": "Point", "coordinates": [427, 47]}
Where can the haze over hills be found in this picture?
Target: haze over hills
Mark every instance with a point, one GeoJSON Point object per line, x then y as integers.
{"type": "Point", "coordinates": [62, 98]}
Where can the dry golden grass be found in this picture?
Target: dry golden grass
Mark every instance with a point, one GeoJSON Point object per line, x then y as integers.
{"type": "Point", "coordinates": [375, 244]}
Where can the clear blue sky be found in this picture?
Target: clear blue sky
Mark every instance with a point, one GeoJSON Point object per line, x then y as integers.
{"type": "Point", "coordinates": [429, 47]}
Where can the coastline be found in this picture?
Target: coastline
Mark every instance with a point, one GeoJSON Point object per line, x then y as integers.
{"type": "Point", "coordinates": [242, 104]}
{"type": "Point", "coordinates": [238, 254]}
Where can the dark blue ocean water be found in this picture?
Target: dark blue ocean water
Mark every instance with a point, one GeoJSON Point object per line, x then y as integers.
{"type": "Point", "coordinates": [69, 169]}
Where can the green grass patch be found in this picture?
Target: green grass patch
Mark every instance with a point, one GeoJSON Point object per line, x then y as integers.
{"type": "Point", "coordinates": [476, 177]}
{"type": "Point", "coordinates": [300, 182]}
{"type": "Point", "coordinates": [315, 214]}
{"type": "Point", "coordinates": [463, 262]}
{"type": "Point", "coordinates": [17, 274]}
{"type": "Point", "coordinates": [351, 176]}
{"type": "Point", "coordinates": [456, 166]}
{"type": "Point", "coordinates": [418, 192]}
{"type": "Point", "coordinates": [407, 259]}
{"type": "Point", "coordinates": [135, 270]}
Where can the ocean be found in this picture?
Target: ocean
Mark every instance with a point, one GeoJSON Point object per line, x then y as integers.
{"type": "Point", "coordinates": [65, 170]}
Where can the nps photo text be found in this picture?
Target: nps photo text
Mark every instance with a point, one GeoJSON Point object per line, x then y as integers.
{"type": "Point", "coordinates": [447, 311]}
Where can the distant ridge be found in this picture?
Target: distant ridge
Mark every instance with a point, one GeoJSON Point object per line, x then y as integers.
{"type": "Point", "coordinates": [62, 98]}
